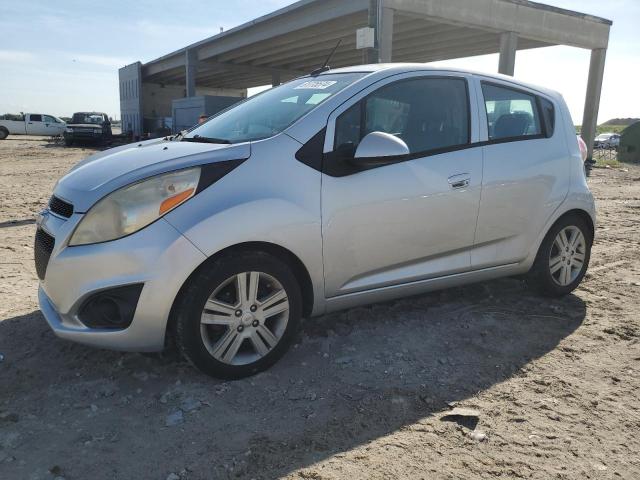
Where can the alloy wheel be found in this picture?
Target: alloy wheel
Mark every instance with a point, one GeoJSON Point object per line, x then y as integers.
{"type": "Point", "coordinates": [244, 318]}
{"type": "Point", "coordinates": [567, 256]}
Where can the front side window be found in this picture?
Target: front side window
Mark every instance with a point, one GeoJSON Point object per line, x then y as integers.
{"type": "Point", "coordinates": [510, 113]}
{"type": "Point", "coordinates": [426, 113]}
{"type": "Point", "coordinates": [49, 119]}
{"type": "Point", "coordinates": [271, 112]}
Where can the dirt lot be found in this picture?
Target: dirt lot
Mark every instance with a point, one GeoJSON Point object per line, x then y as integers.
{"type": "Point", "coordinates": [362, 394]}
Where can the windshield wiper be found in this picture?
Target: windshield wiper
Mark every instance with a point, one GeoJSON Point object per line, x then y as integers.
{"type": "Point", "coordinates": [201, 139]}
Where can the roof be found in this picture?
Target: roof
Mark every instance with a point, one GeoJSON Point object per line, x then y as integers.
{"type": "Point", "coordinates": [391, 68]}
{"type": "Point", "coordinates": [295, 39]}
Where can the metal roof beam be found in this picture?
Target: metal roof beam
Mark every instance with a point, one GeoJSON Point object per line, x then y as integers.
{"type": "Point", "coordinates": [309, 15]}
{"type": "Point", "coordinates": [309, 36]}
{"type": "Point", "coordinates": [527, 19]}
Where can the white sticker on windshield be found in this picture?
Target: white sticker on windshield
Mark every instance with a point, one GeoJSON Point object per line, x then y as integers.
{"type": "Point", "coordinates": [316, 85]}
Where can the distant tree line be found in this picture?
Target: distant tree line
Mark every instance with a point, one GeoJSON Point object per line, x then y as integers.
{"type": "Point", "coordinates": [621, 121]}
{"type": "Point", "coordinates": [11, 116]}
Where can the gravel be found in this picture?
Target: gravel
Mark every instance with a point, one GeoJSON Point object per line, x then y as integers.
{"type": "Point", "coordinates": [555, 383]}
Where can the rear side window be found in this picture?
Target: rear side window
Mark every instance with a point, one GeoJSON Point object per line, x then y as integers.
{"type": "Point", "coordinates": [426, 113]}
{"type": "Point", "coordinates": [35, 118]}
{"type": "Point", "coordinates": [511, 113]}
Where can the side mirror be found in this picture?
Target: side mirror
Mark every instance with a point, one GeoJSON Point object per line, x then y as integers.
{"type": "Point", "coordinates": [379, 145]}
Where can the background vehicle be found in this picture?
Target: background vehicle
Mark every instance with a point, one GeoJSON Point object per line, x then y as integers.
{"type": "Point", "coordinates": [88, 127]}
{"type": "Point", "coordinates": [607, 140]}
{"type": "Point", "coordinates": [335, 190]}
{"type": "Point", "coordinates": [32, 124]}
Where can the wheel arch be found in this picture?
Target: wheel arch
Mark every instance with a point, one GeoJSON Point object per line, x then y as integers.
{"type": "Point", "coordinates": [299, 270]}
{"type": "Point", "coordinates": [582, 214]}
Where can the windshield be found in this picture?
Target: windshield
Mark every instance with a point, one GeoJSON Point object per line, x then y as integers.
{"type": "Point", "coordinates": [96, 118]}
{"type": "Point", "coordinates": [271, 112]}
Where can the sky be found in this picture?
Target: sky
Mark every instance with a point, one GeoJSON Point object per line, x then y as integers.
{"type": "Point", "coordinates": [60, 57]}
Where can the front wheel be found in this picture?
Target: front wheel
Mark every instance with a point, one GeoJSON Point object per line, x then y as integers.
{"type": "Point", "coordinates": [563, 257]}
{"type": "Point", "coordinates": [238, 315]}
{"type": "Point", "coordinates": [4, 133]}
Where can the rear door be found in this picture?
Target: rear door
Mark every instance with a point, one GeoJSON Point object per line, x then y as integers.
{"type": "Point", "coordinates": [35, 124]}
{"type": "Point", "coordinates": [525, 174]}
{"type": "Point", "coordinates": [410, 218]}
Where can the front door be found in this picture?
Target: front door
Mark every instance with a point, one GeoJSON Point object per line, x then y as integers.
{"type": "Point", "coordinates": [407, 219]}
{"type": "Point", "coordinates": [52, 126]}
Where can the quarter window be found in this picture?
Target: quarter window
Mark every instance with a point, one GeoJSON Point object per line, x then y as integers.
{"type": "Point", "coordinates": [549, 114]}
{"type": "Point", "coordinates": [510, 113]}
{"type": "Point", "coordinates": [427, 114]}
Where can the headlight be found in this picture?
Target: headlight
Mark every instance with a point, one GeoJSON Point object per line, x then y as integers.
{"type": "Point", "coordinates": [132, 208]}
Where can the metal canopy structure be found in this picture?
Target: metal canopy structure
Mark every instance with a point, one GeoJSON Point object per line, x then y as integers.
{"type": "Point", "coordinates": [295, 39]}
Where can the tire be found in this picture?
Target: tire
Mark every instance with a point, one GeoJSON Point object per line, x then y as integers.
{"type": "Point", "coordinates": [4, 133]}
{"type": "Point", "coordinates": [556, 272]}
{"type": "Point", "coordinates": [262, 335]}
{"type": "Point", "coordinates": [68, 143]}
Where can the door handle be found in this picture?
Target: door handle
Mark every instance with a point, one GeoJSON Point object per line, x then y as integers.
{"type": "Point", "coordinates": [461, 180]}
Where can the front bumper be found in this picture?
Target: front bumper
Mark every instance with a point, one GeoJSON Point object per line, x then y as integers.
{"type": "Point", "coordinates": [84, 135]}
{"type": "Point", "coordinates": [158, 256]}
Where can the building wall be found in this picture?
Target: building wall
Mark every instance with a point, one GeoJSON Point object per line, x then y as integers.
{"type": "Point", "coordinates": [130, 99]}
{"type": "Point", "coordinates": [157, 101]}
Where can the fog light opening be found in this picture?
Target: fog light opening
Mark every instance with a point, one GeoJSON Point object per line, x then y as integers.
{"type": "Point", "coordinates": [111, 309]}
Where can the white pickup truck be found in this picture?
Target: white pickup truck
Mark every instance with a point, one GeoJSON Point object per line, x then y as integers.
{"type": "Point", "coordinates": [32, 124]}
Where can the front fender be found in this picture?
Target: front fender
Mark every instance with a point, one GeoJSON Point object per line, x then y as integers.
{"type": "Point", "coordinates": [270, 198]}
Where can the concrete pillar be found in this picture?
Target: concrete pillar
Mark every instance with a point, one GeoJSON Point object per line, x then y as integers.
{"type": "Point", "coordinates": [370, 55]}
{"type": "Point", "coordinates": [191, 70]}
{"type": "Point", "coordinates": [275, 79]}
{"type": "Point", "coordinates": [592, 101]}
{"type": "Point", "coordinates": [508, 47]}
{"type": "Point", "coordinates": [381, 20]}
{"type": "Point", "coordinates": [384, 32]}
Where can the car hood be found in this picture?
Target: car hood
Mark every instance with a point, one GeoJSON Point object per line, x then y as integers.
{"type": "Point", "coordinates": [104, 172]}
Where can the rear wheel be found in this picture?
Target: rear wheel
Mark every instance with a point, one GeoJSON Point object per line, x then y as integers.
{"type": "Point", "coordinates": [4, 133]}
{"type": "Point", "coordinates": [563, 257]}
{"type": "Point", "coordinates": [238, 315]}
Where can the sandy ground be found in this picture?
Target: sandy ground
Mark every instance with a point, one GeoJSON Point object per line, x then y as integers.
{"type": "Point", "coordinates": [363, 393]}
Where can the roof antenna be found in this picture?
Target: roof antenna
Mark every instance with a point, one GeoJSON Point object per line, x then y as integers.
{"type": "Point", "coordinates": [325, 66]}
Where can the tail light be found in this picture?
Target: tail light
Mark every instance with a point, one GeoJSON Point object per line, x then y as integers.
{"type": "Point", "coordinates": [584, 152]}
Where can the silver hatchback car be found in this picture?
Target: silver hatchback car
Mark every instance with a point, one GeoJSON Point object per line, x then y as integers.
{"type": "Point", "coordinates": [338, 189]}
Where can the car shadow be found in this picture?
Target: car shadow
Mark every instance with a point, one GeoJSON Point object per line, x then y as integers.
{"type": "Point", "coordinates": [353, 377]}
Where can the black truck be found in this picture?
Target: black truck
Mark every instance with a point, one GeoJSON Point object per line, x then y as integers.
{"type": "Point", "coordinates": [88, 127]}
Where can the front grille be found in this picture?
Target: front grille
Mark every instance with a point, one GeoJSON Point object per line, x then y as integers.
{"type": "Point", "coordinates": [42, 248]}
{"type": "Point", "coordinates": [60, 207]}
